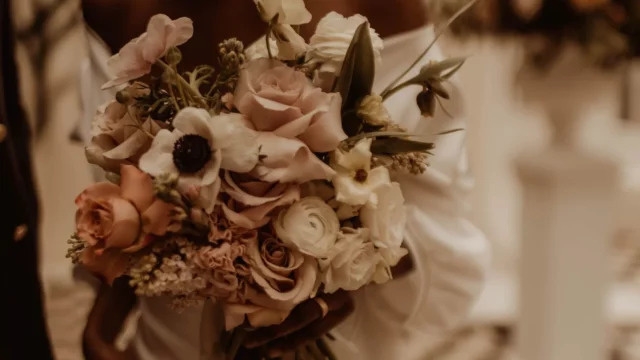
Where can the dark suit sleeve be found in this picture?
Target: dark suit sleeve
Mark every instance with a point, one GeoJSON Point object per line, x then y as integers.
{"type": "Point", "coordinates": [22, 321]}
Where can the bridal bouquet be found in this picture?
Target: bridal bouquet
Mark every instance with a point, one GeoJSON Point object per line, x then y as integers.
{"type": "Point", "coordinates": [258, 183]}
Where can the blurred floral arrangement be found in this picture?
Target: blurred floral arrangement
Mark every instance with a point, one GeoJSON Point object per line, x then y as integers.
{"type": "Point", "coordinates": [256, 185]}
{"type": "Point", "coordinates": [607, 31]}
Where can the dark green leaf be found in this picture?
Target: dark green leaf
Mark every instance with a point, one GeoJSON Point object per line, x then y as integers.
{"type": "Point", "coordinates": [394, 146]}
{"type": "Point", "coordinates": [356, 77]}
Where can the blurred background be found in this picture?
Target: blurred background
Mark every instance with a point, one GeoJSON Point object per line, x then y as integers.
{"type": "Point", "coordinates": [504, 125]}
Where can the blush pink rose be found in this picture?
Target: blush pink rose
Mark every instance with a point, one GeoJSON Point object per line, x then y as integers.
{"type": "Point", "coordinates": [249, 203]}
{"type": "Point", "coordinates": [136, 58]}
{"type": "Point", "coordinates": [115, 220]}
{"type": "Point", "coordinates": [283, 278]}
{"type": "Point", "coordinates": [295, 118]}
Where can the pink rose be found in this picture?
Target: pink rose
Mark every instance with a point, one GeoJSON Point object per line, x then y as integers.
{"type": "Point", "coordinates": [136, 58]}
{"type": "Point", "coordinates": [296, 120]}
{"type": "Point", "coordinates": [283, 279]}
{"type": "Point", "coordinates": [250, 203]}
{"type": "Point", "coordinates": [122, 218]}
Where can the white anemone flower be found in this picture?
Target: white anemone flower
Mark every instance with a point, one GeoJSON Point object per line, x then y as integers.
{"type": "Point", "coordinates": [198, 147]}
{"type": "Point", "coordinates": [355, 182]}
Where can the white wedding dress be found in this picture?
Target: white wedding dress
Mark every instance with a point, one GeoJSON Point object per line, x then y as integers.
{"type": "Point", "coordinates": [391, 321]}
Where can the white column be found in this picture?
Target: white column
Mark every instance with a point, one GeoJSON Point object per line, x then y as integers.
{"type": "Point", "coordinates": [568, 207]}
{"type": "Point", "coordinates": [567, 223]}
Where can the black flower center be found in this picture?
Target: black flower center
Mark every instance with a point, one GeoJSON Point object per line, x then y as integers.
{"type": "Point", "coordinates": [361, 175]}
{"type": "Point", "coordinates": [191, 153]}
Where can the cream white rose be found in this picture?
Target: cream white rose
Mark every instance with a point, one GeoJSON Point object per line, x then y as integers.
{"type": "Point", "coordinates": [355, 182]}
{"type": "Point", "coordinates": [310, 225]}
{"type": "Point", "coordinates": [333, 36]}
{"type": "Point", "coordinates": [354, 263]}
{"type": "Point", "coordinates": [290, 12]}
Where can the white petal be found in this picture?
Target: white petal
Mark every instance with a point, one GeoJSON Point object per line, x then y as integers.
{"type": "Point", "coordinates": [349, 191]}
{"type": "Point", "coordinates": [240, 150]}
{"type": "Point", "coordinates": [159, 159]}
{"type": "Point", "coordinates": [194, 121]}
{"type": "Point", "coordinates": [355, 159]}
{"type": "Point", "coordinates": [211, 170]}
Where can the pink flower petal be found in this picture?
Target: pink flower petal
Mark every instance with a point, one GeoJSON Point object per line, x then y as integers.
{"type": "Point", "coordinates": [230, 187]}
{"type": "Point", "coordinates": [325, 132]}
{"type": "Point", "coordinates": [99, 190]}
{"type": "Point", "coordinates": [126, 224]}
{"type": "Point", "coordinates": [136, 186]}
{"type": "Point", "coordinates": [157, 218]}
{"type": "Point", "coordinates": [289, 160]}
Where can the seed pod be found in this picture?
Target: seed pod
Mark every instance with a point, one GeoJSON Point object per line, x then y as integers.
{"type": "Point", "coordinates": [174, 56]}
{"type": "Point", "coordinates": [427, 102]}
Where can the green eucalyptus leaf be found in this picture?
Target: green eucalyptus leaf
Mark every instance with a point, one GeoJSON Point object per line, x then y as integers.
{"type": "Point", "coordinates": [394, 146]}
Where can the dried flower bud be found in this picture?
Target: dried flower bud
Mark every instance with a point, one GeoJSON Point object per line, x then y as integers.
{"type": "Point", "coordinates": [427, 102]}
{"type": "Point", "coordinates": [174, 56]}
{"type": "Point", "coordinates": [373, 112]}
{"type": "Point", "coordinates": [231, 53]}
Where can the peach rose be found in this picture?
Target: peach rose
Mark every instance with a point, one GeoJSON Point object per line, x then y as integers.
{"type": "Point", "coordinates": [250, 203]}
{"type": "Point", "coordinates": [115, 220]}
{"type": "Point", "coordinates": [295, 118]}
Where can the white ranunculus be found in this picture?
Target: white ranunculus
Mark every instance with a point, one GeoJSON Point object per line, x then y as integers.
{"type": "Point", "coordinates": [310, 225]}
{"type": "Point", "coordinates": [290, 12]}
{"type": "Point", "coordinates": [333, 36]}
{"type": "Point", "coordinates": [355, 182]}
{"type": "Point", "coordinates": [290, 44]}
{"type": "Point", "coordinates": [386, 219]}
{"type": "Point", "coordinates": [354, 263]}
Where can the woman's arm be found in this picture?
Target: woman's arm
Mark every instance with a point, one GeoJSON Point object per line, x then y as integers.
{"type": "Point", "coordinates": [106, 320]}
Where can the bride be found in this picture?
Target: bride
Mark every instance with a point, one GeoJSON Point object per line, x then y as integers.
{"type": "Point", "coordinates": [449, 255]}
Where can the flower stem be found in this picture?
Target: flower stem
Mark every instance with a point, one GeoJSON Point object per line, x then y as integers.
{"type": "Point", "coordinates": [266, 38]}
{"type": "Point", "coordinates": [197, 98]}
{"type": "Point", "coordinates": [440, 33]}
{"type": "Point", "coordinates": [173, 98]}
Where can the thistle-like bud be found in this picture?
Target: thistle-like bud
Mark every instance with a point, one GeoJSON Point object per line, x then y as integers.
{"type": "Point", "coordinates": [231, 53]}
{"type": "Point", "coordinates": [427, 102]}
